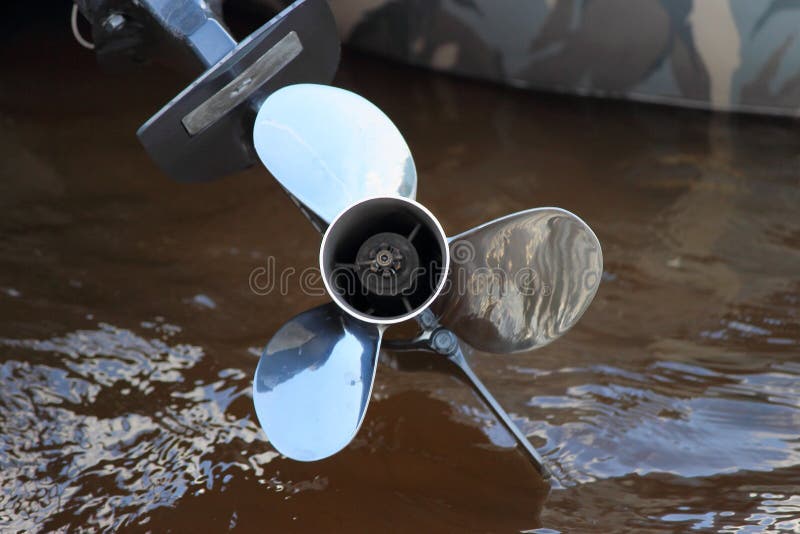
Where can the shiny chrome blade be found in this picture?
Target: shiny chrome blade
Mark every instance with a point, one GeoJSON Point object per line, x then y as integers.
{"type": "Point", "coordinates": [521, 281]}
{"type": "Point", "coordinates": [314, 381]}
{"type": "Point", "coordinates": [330, 148]}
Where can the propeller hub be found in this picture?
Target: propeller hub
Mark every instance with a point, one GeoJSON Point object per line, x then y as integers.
{"type": "Point", "coordinates": [387, 257]}
{"type": "Point", "coordinates": [387, 264]}
{"type": "Point", "coordinates": [384, 259]}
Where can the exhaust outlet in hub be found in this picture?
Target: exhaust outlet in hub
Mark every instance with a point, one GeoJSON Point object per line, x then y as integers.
{"type": "Point", "coordinates": [384, 260]}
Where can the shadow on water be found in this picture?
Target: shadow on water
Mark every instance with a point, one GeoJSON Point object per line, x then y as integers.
{"type": "Point", "coordinates": [129, 332]}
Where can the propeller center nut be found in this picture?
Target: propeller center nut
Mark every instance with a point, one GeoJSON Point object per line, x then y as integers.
{"type": "Point", "coordinates": [387, 260]}
{"type": "Point", "coordinates": [384, 258]}
{"type": "Point", "coordinates": [387, 264]}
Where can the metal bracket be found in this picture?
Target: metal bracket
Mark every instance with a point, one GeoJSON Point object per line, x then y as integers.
{"type": "Point", "coordinates": [244, 85]}
{"type": "Point", "coordinates": [435, 338]}
{"type": "Point", "coordinates": [206, 131]}
{"type": "Point", "coordinates": [139, 29]}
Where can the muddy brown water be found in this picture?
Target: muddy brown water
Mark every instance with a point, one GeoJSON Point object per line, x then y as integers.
{"type": "Point", "coordinates": [129, 333]}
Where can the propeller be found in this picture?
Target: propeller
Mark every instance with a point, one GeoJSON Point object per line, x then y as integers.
{"type": "Point", "coordinates": [513, 284]}
{"type": "Point", "coordinates": [521, 281]}
{"type": "Point", "coordinates": [317, 369]}
{"type": "Point", "coordinates": [329, 148]}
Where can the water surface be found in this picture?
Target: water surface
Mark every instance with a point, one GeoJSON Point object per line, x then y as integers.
{"type": "Point", "coordinates": [129, 332]}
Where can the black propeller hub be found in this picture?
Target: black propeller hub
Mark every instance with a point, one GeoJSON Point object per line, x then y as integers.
{"type": "Point", "coordinates": [387, 264]}
{"type": "Point", "coordinates": [384, 259]}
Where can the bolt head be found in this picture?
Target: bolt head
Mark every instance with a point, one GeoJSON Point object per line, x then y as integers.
{"type": "Point", "coordinates": [114, 22]}
{"type": "Point", "coordinates": [444, 341]}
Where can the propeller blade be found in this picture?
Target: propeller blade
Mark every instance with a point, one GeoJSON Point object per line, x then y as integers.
{"type": "Point", "coordinates": [314, 381]}
{"type": "Point", "coordinates": [330, 148]}
{"type": "Point", "coordinates": [521, 281]}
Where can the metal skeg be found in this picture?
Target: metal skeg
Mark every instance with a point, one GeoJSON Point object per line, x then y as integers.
{"type": "Point", "coordinates": [436, 338]}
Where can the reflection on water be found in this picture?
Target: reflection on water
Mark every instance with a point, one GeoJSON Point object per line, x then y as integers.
{"type": "Point", "coordinates": [105, 426]}
{"type": "Point", "coordinates": [775, 512]}
{"type": "Point", "coordinates": [129, 335]}
{"type": "Point", "coordinates": [673, 418]}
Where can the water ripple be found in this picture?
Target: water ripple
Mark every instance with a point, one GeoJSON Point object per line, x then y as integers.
{"type": "Point", "coordinates": [83, 437]}
{"type": "Point", "coordinates": [699, 423]}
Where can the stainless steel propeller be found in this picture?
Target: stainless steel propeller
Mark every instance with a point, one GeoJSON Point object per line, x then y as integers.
{"type": "Point", "coordinates": [521, 281]}
{"type": "Point", "coordinates": [510, 285]}
{"type": "Point", "coordinates": [330, 148]}
{"type": "Point", "coordinates": [313, 383]}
